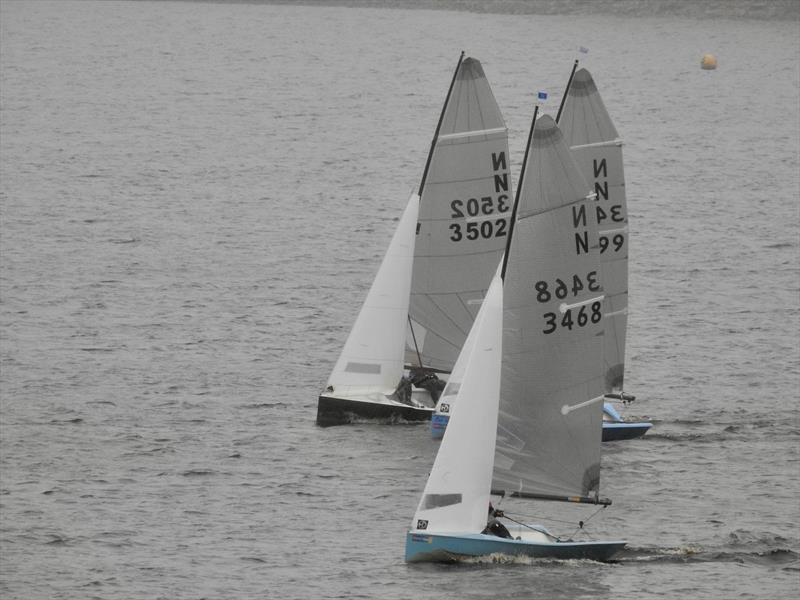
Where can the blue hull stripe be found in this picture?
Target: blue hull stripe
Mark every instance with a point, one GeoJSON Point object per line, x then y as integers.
{"type": "Point", "coordinates": [430, 547]}
{"type": "Point", "coordinates": [611, 431]}
{"type": "Point", "coordinates": [624, 431]}
{"type": "Point", "coordinates": [438, 425]}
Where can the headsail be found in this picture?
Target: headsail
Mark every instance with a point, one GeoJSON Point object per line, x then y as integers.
{"type": "Point", "coordinates": [456, 497]}
{"type": "Point", "coordinates": [372, 360]}
{"type": "Point", "coordinates": [550, 421]}
{"type": "Point", "coordinates": [463, 218]}
{"type": "Point", "coordinates": [598, 152]}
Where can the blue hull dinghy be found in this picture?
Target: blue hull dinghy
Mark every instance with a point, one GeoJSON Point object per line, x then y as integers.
{"type": "Point", "coordinates": [616, 428]}
{"type": "Point", "coordinates": [421, 547]}
{"type": "Point", "coordinates": [529, 381]}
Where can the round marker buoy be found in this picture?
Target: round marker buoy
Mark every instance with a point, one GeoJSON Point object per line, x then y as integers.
{"type": "Point", "coordinates": [708, 62]}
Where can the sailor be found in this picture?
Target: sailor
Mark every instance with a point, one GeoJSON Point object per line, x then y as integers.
{"type": "Point", "coordinates": [403, 391]}
{"type": "Point", "coordinates": [495, 527]}
{"type": "Point", "coordinates": [427, 380]}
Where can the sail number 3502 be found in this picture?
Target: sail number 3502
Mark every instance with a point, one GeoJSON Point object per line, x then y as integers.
{"type": "Point", "coordinates": [560, 290]}
{"type": "Point", "coordinates": [473, 207]}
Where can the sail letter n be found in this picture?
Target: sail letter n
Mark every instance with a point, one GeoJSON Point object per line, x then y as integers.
{"type": "Point", "coordinates": [581, 237]}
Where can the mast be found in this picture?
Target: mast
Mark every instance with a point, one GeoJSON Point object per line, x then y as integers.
{"type": "Point", "coordinates": [439, 125]}
{"type": "Point", "coordinates": [414, 337]}
{"type": "Point", "coordinates": [516, 196]}
{"type": "Point", "coordinates": [566, 91]}
{"type": "Point", "coordinates": [425, 174]}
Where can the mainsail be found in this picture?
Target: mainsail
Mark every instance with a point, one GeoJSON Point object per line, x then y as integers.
{"type": "Point", "coordinates": [374, 361]}
{"type": "Point", "coordinates": [465, 205]}
{"type": "Point", "coordinates": [550, 421]}
{"type": "Point", "coordinates": [598, 152]}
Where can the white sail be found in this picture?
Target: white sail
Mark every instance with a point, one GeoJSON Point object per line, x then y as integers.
{"type": "Point", "coordinates": [550, 422]}
{"type": "Point", "coordinates": [464, 214]}
{"type": "Point", "coordinates": [372, 357]}
{"type": "Point", "coordinates": [597, 149]}
{"type": "Point", "coordinates": [448, 398]}
{"type": "Point", "coordinates": [456, 496]}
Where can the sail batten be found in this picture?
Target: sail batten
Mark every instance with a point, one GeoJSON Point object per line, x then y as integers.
{"type": "Point", "coordinates": [604, 144]}
{"type": "Point", "coordinates": [536, 213]}
{"type": "Point", "coordinates": [473, 133]}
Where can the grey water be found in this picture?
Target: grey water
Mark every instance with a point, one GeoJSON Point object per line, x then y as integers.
{"type": "Point", "coordinates": [194, 198]}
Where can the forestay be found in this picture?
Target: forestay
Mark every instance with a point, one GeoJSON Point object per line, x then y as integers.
{"type": "Point", "coordinates": [550, 421]}
{"type": "Point", "coordinates": [597, 149]}
{"type": "Point", "coordinates": [465, 206]}
{"type": "Point", "coordinates": [456, 496]}
{"type": "Point", "coordinates": [372, 357]}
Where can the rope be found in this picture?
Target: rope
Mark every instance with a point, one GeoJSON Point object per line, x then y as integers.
{"type": "Point", "coordinates": [526, 525]}
{"type": "Point", "coordinates": [410, 324]}
{"type": "Point", "coordinates": [582, 523]}
{"type": "Point", "coordinates": [542, 518]}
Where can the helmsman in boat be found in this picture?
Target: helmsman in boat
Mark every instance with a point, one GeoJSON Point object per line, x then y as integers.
{"type": "Point", "coordinates": [495, 527]}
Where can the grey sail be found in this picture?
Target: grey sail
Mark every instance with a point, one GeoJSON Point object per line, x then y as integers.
{"type": "Point", "coordinates": [465, 206]}
{"type": "Point", "coordinates": [598, 152]}
{"type": "Point", "coordinates": [550, 422]}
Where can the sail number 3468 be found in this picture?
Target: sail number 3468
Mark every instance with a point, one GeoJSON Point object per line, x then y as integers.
{"type": "Point", "coordinates": [585, 314]}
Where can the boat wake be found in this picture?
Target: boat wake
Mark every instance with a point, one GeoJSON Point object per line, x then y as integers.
{"type": "Point", "coordinates": [770, 552]}
{"type": "Point", "coordinates": [694, 436]}
{"type": "Point", "coordinates": [706, 432]}
{"type": "Point", "coordinates": [783, 557]}
{"type": "Point", "coordinates": [353, 419]}
{"type": "Point", "coordinates": [509, 559]}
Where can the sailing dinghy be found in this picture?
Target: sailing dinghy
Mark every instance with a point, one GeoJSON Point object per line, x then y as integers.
{"type": "Point", "coordinates": [440, 262]}
{"type": "Point", "coordinates": [530, 394]}
{"type": "Point", "coordinates": [597, 149]}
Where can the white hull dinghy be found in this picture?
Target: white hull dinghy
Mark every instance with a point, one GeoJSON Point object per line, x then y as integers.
{"type": "Point", "coordinates": [430, 286]}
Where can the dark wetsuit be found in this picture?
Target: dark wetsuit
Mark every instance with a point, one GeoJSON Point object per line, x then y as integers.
{"type": "Point", "coordinates": [495, 527]}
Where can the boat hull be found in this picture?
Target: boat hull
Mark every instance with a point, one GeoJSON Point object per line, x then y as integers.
{"type": "Point", "coordinates": [438, 425]}
{"type": "Point", "coordinates": [612, 432]}
{"type": "Point", "coordinates": [432, 547]}
{"type": "Point", "coordinates": [341, 411]}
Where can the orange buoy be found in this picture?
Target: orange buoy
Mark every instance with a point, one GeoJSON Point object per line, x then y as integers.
{"type": "Point", "coordinates": [708, 62]}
